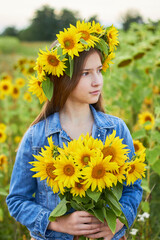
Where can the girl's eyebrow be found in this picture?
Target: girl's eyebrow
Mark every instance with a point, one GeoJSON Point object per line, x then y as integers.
{"type": "Point", "coordinates": [88, 69]}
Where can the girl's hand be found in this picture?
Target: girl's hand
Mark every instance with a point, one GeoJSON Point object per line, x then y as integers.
{"type": "Point", "coordinates": [77, 223]}
{"type": "Point", "coordinates": [105, 231]}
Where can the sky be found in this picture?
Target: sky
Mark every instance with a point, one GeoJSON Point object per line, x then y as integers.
{"type": "Point", "coordinates": [18, 13]}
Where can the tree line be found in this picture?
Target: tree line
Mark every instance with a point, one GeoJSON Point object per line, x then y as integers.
{"type": "Point", "coordinates": [46, 23]}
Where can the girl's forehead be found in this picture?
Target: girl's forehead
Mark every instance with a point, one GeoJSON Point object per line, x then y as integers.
{"type": "Point", "coordinates": [92, 60]}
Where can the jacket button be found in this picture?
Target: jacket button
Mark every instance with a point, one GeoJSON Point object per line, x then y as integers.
{"type": "Point", "coordinates": [98, 135]}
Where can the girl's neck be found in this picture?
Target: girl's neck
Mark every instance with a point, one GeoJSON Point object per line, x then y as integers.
{"type": "Point", "coordinates": [76, 120]}
{"type": "Point", "coordinates": [75, 114]}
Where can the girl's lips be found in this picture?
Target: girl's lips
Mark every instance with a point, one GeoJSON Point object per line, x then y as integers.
{"type": "Point", "coordinates": [95, 92]}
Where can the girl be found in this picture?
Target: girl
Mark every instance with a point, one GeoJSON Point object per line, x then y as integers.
{"type": "Point", "coordinates": [75, 108]}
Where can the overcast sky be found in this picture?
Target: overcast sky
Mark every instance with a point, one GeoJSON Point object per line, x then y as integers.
{"type": "Point", "coordinates": [18, 13]}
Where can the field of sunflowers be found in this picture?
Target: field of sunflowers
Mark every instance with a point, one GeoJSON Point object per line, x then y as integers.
{"type": "Point", "coordinates": [131, 91]}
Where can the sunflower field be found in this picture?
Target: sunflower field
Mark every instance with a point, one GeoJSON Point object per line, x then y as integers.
{"type": "Point", "coordinates": [131, 91]}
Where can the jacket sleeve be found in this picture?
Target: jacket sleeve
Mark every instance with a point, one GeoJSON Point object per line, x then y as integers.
{"type": "Point", "coordinates": [132, 195]}
{"type": "Point", "coordinates": [20, 201]}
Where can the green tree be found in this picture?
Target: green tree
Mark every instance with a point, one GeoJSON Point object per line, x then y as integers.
{"type": "Point", "coordinates": [10, 31]}
{"type": "Point", "coordinates": [67, 17]}
{"type": "Point", "coordinates": [129, 17]}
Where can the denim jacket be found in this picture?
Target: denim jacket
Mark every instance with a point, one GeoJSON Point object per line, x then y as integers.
{"type": "Point", "coordinates": [30, 201]}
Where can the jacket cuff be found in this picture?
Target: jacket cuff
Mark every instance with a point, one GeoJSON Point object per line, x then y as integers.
{"type": "Point", "coordinates": [41, 225]}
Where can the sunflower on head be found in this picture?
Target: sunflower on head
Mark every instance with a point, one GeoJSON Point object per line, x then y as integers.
{"type": "Point", "coordinates": [59, 60]}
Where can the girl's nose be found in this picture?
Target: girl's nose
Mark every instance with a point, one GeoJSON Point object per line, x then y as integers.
{"type": "Point", "coordinates": [96, 80]}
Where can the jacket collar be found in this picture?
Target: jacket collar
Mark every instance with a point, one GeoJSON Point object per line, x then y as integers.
{"type": "Point", "coordinates": [53, 124]}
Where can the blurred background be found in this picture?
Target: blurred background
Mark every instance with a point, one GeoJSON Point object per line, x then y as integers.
{"type": "Point", "coordinates": [131, 87]}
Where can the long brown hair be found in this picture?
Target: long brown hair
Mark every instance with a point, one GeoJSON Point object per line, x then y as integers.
{"type": "Point", "coordinates": [63, 86]}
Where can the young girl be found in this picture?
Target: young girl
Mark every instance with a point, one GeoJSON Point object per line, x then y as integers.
{"type": "Point", "coordinates": [75, 108]}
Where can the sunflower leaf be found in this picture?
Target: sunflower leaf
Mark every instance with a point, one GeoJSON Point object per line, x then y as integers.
{"type": "Point", "coordinates": [98, 213]}
{"type": "Point", "coordinates": [47, 87]}
{"type": "Point", "coordinates": [111, 219]}
{"type": "Point", "coordinates": [71, 64]}
{"type": "Point", "coordinates": [117, 190]}
{"type": "Point", "coordinates": [93, 195]}
{"type": "Point", "coordinates": [139, 134]}
{"type": "Point", "coordinates": [102, 46]}
{"type": "Point", "coordinates": [83, 41]}
{"type": "Point", "coordinates": [60, 53]}
{"type": "Point", "coordinates": [60, 210]}
{"type": "Point", "coordinates": [123, 219]}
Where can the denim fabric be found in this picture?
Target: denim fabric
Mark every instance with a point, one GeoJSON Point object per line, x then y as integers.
{"type": "Point", "coordinates": [30, 201]}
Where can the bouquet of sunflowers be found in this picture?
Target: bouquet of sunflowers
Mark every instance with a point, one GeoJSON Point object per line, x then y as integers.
{"type": "Point", "coordinates": [89, 175]}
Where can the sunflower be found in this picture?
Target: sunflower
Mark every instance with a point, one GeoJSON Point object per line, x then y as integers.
{"type": "Point", "coordinates": [20, 82]}
{"type": "Point", "coordinates": [96, 174]}
{"type": "Point", "coordinates": [112, 35]}
{"type": "Point", "coordinates": [15, 92]}
{"type": "Point", "coordinates": [83, 155]}
{"type": "Point", "coordinates": [2, 127]}
{"type": "Point", "coordinates": [45, 170]}
{"type": "Point", "coordinates": [92, 143]}
{"type": "Point", "coordinates": [120, 173]}
{"type": "Point", "coordinates": [86, 31]}
{"type": "Point", "coordinates": [147, 120]}
{"type": "Point", "coordinates": [79, 189]}
{"type": "Point", "coordinates": [51, 62]}
{"type": "Point", "coordinates": [138, 146]}
{"type": "Point", "coordinates": [97, 28]}
{"type": "Point", "coordinates": [70, 41]}
{"type": "Point", "coordinates": [27, 97]}
{"type": "Point", "coordinates": [51, 150]}
{"type": "Point", "coordinates": [136, 169]}
{"type": "Point", "coordinates": [67, 172]}
{"type": "Point", "coordinates": [17, 139]}
{"type": "Point", "coordinates": [3, 136]}
{"type": "Point", "coordinates": [71, 148]}
{"type": "Point", "coordinates": [108, 61]}
{"type": "Point", "coordinates": [39, 69]}
{"type": "Point", "coordinates": [115, 148]}
{"type": "Point", "coordinates": [5, 87]}
{"type": "Point", "coordinates": [3, 161]}
{"type": "Point", "coordinates": [35, 86]}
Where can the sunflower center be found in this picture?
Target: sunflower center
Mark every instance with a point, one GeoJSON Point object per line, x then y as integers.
{"type": "Point", "coordinates": [52, 60]}
{"type": "Point", "coordinates": [0, 135]}
{"type": "Point", "coordinates": [69, 170]}
{"type": "Point", "coordinates": [136, 147]}
{"type": "Point", "coordinates": [109, 151]}
{"type": "Point", "coordinates": [132, 169]}
{"type": "Point", "coordinates": [78, 185]}
{"type": "Point", "coordinates": [85, 35]}
{"type": "Point", "coordinates": [98, 171]}
{"type": "Point", "coordinates": [5, 87]}
{"type": "Point", "coordinates": [49, 170]}
{"type": "Point", "coordinates": [69, 43]}
{"type": "Point", "coordinates": [110, 35]}
{"type": "Point", "coordinates": [85, 160]}
{"type": "Point", "coordinates": [148, 118]}
{"type": "Point", "coordinates": [1, 162]}
{"type": "Point", "coordinates": [15, 90]}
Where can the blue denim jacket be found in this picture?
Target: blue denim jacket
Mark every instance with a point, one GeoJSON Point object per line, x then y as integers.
{"type": "Point", "coordinates": [31, 201]}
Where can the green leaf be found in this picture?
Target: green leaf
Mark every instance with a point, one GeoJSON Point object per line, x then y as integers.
{"type": "Point", "coordinates": [117, 190]}
{"type": "Point", "coordinates": [83, 41]}
{"type": "Point", "coordinates": [155, 136]}
{"type": "Point", "coordinates": [111, 198]}
{"type": "Point", "coordinates": [145, 186]}
{"type": "Point", "coordinates": [145, 206]}
{"type": "Point", "coordinates": [98, 213]}
{"type": "Point", "coordinates": [3, 192]}
{"type": "Point", "coordinates": [79, 199]}
{"type": "Point", "coordinates": [156, 167]}
{"type": "Point", "coordinates": [139, 134]}
{"type": "Point", "coordinates": [93, 195]}
{"type": "Point", "coordinates": [81, 238]}
{"type": "Point", "coordinates": [152, 155]}
{"type": "Point", "coordinates": [111, 219]}
{"type": "Point", "coordinates": [47, 87]}
{"type": "Point", "coordinates": [102, 46]}
{"type": "Point", "coordinates": [123, 219]}
{"type": "Point", "coordinates": [71, 64]}
{"type": "Point", "coordinates": [60, 53]}
{"type": "Point", "coordinates": [60, 210]}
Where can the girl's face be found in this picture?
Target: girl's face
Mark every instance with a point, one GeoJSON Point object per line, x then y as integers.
{"type": "Point", "coordinates": [90, 84]}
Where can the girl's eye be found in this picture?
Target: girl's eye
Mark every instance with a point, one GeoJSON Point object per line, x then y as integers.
{"type": "Point", "coordinates": [100, 70]}
{"type": "Point", "coordinates": [85, 73]}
